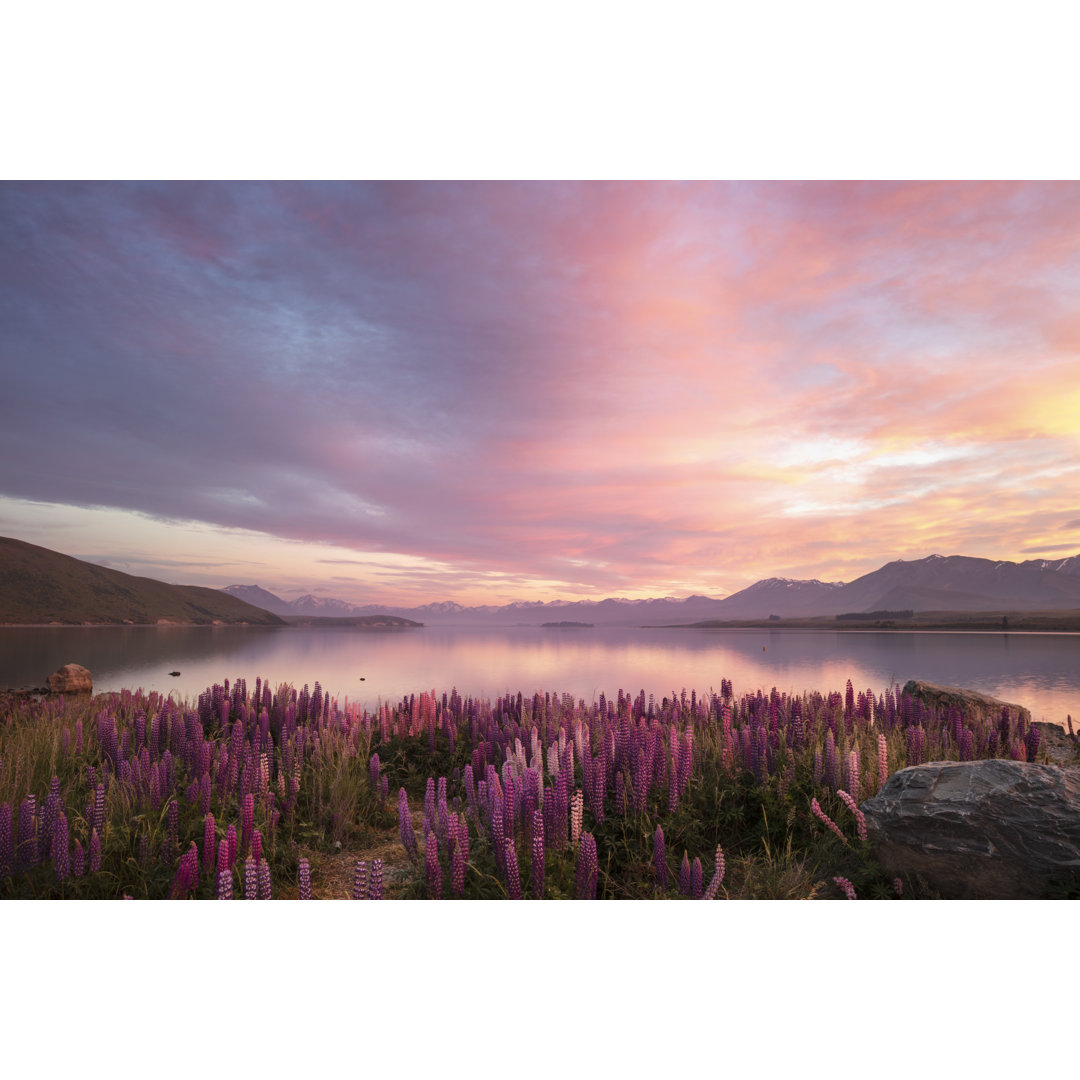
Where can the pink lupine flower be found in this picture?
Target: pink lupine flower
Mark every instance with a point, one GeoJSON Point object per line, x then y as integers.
{"type": "Point", "coordinates": [849, 889]}
{"type": "Point", "coordinates": [577, 804]}
{"type": "Point", "coordinates": [860, 817]}
{"type": "Point", "coordinates": [882, 760]}
{"type": "Point", "coordinates": [825, 819]}
{"type": "Point", "coordinates": [263, 886]}
{"type": "Point", "coordinates": [513, 876]}
{"type": "Point", "coordinates": [718, 875]}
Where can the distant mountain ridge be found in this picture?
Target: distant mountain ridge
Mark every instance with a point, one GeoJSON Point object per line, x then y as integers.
{"type": "Point", "coordinates": [935, 583]}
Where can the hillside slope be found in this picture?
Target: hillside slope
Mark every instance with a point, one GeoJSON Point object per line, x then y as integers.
{"type": "Point", "coordinates": [40, 586]}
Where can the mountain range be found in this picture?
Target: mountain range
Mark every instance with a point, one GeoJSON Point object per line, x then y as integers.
{"type": "Point", "coordinates": [952, 583]}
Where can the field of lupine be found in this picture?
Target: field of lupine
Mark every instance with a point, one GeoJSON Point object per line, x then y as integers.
{"type": "Point", "coordinates": [247, 793]}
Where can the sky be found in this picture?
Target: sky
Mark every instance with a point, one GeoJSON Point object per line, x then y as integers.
{"type": "Point", "coordinates": [417, 391]}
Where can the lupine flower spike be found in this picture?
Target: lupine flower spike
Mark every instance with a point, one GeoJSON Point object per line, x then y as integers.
{"type": "Point", "coordinates": [825, 819]}
{"type": "Point", "coordinates": [849, 889]}
{"type": "Point", "coordinates": [718, 875]}
{"type": "Point", "coordinates": [305, 880]}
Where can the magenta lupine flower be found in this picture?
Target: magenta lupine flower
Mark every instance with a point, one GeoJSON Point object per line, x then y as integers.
{"type": "Point", "coordinates": [538, 851]}
{"type": "Point", "coordinates": [78, 861]}
{"type": "Point", "coordinates": [860, 817]}
{"type": "Point", "coordinates": [224, 885]}
{"type": "Point", "coordinates": [247, 822]}
{"type": "Point", "coordinates": [7, 841]}
{"type": "Point", "coordinates": [209, 842]}
{"type": "Point", "coordinates": [882, 760]}
{"type": "Point", "coordinates": [230, 844]}
{"type": "Point", "coordinates": [660, 859]}
{"type": "Point", "coordinates": [849, 889]}
{"type": "Point", "coordinates": [187, 874]}
{"type": "Point", "coordinates": [95, 851]}
{"type": "Point", "coordinates": [251, 880]}
{"type": "Point", "coordinates": [305, 880]}
{"type": "Point", "coordinates": [360, 880]}
{"type": "Point", "coordinates": [61, 855]}
{"type": "Point", "coordinates": [824, 818]}
{"type": "Point", "coordinates": [408, 837]}
{"type": "Point", "coordinates": [433, 871]}
{"type": "Point", "coordinates": [697, 889]}
{"type": "Point", "coordinates": [375, 880]}
{"type": "Point", "coordinates": [263, 887]}
{"type": "Point", "coordinates": [684, 875]}
{"type": "Point", "coordinates": [513, 876]}
{"type": "Point", "coordinates": [898, 886]}
{"type": "Point", "coordinates": [458, 859]}
{"type": "Point", "coordinates": [718, 875]}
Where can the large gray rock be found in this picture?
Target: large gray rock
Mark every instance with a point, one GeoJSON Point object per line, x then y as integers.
{"type": "Point", "coordinates": [970, 702]}
{"type": "Point", "coordinates": [979, 830]}
{"type": "Point", "coordinates": [71, 679]}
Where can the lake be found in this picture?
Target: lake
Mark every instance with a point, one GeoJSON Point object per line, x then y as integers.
{"type": "Point", "coordinates": [1041, 671]}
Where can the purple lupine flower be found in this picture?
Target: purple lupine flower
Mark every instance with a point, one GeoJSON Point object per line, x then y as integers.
{"type": "Point", "coordinates": [7, 841]}
{"type": "Point", "coordinates": [538, 852]}
{"type": "Point", "coordinates": [587, 868]}
{"type": "Point", "coordinates": [898, 886]}
{"type": "Point", "coordinates": [697, 889]}
{"type": "Point", "coordinates": [824, 818]}
{"type": "Point", "coordinates": [385, 788]}
{"type": "Point", "coordinates": [408, 837]}
{"type": "Point", "coordinates": [513, 875]}
{"type": "Point", "coordinates": [684, 875]}
{"type": "Point", "coordinates": [860, 817]}
{"type": "Point", "coordinates": [95, 851]}
{"type": "Point", "coordinates": [224, 885]}
{"type": "Point", "coordinates": [263, 887]}
{"type": "Point", "coordinates": [849, 889]}
{"type": "Point", "coordinates": [1032, 743]}
{"type": "Point", "coordinates": [360, 880]}
{"type": "Point", "coordinates": [660, 859]}
{"type": "Point", "coordinates": [61, 855]}
{"type": "Point", "coordinates": [209, 842]}
{"type": "Point", "coordinates": [433, 871]}
{"type": "Point", "coordinates": [230, 844]}
{"type": "Point", "coordinates": [78, 861]}
{"type": "Point", "coordinates": [373, 772]}
{"type": "Point", "coordinates": [251, 880]}
{"type": "Point", "coordinates": [305, 880]}
{"type": "Point", "coordinates": [718, 875]}
{"type": "Point", "coordinates": [375, 880]}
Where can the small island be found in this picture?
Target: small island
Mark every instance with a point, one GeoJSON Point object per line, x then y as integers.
{"type": "Point", "coordinates": [567, 624]}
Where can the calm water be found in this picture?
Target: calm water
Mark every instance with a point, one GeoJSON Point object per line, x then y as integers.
{"type": "Point", "coordinates": [1041, 671]}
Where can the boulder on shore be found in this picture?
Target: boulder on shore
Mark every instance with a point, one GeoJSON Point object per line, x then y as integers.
{"type": "Point", "coordinates": [970, 702]}
{"type": "Point", "coordinates": [979, 830]}
{"type": "Point", "coordinates": [71, 679]}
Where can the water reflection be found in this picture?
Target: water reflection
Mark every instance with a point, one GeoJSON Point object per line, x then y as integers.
{"type": "Point", "coordinates": [1041, 671]}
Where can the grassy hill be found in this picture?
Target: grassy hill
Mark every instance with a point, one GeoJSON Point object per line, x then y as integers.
{"type": "Point", "coordinates": [39, 586]}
